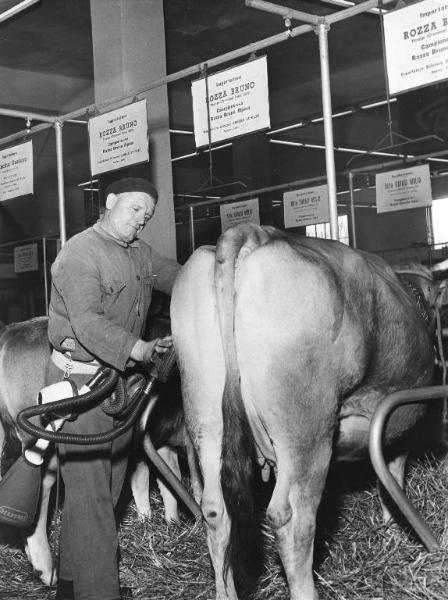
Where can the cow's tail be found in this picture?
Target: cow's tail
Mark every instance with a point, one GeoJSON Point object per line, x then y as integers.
{"type": "Point", "coordinates": [238, 450]}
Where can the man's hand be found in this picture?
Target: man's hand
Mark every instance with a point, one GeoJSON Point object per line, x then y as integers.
{"type": "Point", "coordinates": [162, 345]}
{"type": "Point", "coordinates": [143, 351]}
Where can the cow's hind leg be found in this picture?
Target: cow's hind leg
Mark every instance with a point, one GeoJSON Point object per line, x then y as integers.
{"type": "Point", "coordinates": [195, 475]}
{"type": "Point", "coordinates": [292, 514]}
{"type": "Point", "coordinates": [289, 377]}
{"type": "Point", "coordinates": [216, 518]}
{"type": "Point", "coordinates": [37, 547]}
{"type": "Point", "coordinates": [197, 341]}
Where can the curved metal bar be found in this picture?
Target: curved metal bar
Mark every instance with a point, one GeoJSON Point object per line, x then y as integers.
{"type": "Point", "coordinates": [379, 419]}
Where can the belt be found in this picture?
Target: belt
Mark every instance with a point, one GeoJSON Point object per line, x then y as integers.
{"type": "Point", "coordinates": [67, 364]}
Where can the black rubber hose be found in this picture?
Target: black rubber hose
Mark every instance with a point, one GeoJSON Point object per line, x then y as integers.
{"type": "Point", "coordinates": [101, 384]}
{"type": "Point", "coordinates": [94, 396]}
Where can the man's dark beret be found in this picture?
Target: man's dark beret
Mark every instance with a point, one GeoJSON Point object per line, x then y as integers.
{"type": "Point", "coordinates": [132, 184]}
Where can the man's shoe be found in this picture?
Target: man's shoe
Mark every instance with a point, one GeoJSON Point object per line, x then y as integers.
{"type": "Point", "coordinates": [65, 590]}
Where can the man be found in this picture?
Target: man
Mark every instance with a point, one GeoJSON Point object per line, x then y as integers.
{"type": "Point", "coordinates": [102, 281]}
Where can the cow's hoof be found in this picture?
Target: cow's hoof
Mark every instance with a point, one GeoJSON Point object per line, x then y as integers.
{"type": "Point", "coordinates": [143, 516]}
{"type": "Point", "coordinates": [172, 518]}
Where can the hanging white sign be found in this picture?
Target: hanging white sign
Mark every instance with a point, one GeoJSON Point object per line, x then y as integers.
{"type": "Point", "coordinates": [25, 258]}
{"type": "Point", "coordinates": [119, 138]}
{"type": "Point", "coordinates": [238, 102]}
{"type": "Point", "coordinates": [16, 171]}
{"type": "Point", "coordinates": [403, 189]}
{"type": "Point", "coordinates": [239, 212]}
{"type": "Point", "coordinates": [307, 206]}
{"type": "Point", "coordinates": [416, 45]}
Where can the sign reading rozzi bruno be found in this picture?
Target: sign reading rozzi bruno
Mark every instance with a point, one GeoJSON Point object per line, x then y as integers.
{"type": "Point", "coordinates": [119, 138]}
{"type": "Point", "coordinates": [416, 45]}
{"type": "Point", "coordinates": [238, 102]}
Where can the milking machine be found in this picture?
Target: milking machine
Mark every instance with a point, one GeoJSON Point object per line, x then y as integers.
{"type": "Point", "coordinates": [57, 403]}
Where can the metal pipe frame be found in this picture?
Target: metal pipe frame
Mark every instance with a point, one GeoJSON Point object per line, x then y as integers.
{"type": "Point", "coordinates": [44, 262]}
{"type": "Point", "coordinates": [30, 116]}
{"type": "Point", "coordinates": [352, 209]}
{"type": "Point", "coordinates": [20, 135]}
{"type": "Point", "coordinates": [192, 235]}
{"type": "Point", "coordinates": [379, 420]}
{"type": "Point", "coordinates": [283, 11]}
{"type": "Point", "coordinates": [223, 58]}
{"type": "Point", "coordinates": [189, 71]}
{"type": "Point", "coordinates": [60, 171]}
{"type": "Point", "coordinates": [322, 32]}
{"type": "Point", "coordinates": [318, 178]}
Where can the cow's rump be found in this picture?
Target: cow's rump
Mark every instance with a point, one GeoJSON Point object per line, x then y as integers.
{"type": "Point", "coordinates": [296, 340]}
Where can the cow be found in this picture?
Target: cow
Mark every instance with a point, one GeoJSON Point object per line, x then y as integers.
{"type": "Point", "coordinates": [286, 345]}
{"type": "Point", "coordinates": [24, 355]}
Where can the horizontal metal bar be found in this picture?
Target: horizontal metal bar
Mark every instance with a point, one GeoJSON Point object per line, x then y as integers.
{"type": "Point", "coordinates": [283, 11]}
{"type": "Point", "coordinates": [354, 10]}
{"type": "Point", "coordinates": [21, 134]}
{"type": "Point", "coordinates": [397, 162]}
{"type": "Point", "coordinates": [272, 188]}
{"type": "Point", "coordinates": [197, 69]}
{"type": "Point", "coordinates": [223, 58]}
{"type": "Point", "coordinates": [32, 116]}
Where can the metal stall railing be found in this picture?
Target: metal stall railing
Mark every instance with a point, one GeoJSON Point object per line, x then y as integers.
{"type": "Point", "coordinates": [378, 423]}
{"type": "Point", "coordinates": [320, 25]}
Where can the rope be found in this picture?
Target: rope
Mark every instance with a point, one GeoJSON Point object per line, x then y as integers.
{"type": "Point", "coordinates": [418, 297]}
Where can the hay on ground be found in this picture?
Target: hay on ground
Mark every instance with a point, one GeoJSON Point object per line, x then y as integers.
{"type": "Point", "coordinates": [357, 557]}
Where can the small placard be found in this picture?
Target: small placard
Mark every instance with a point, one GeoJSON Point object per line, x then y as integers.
{"type": "Point", "coordinates": [307, 206]}
{"type": "Point", "coordinates": [238, 102]}
{"type": "Point", "coordinates": [403, 189]}
{"type": "Point", "coordinates": [16, 171]}
{"type": "Point", "coordinates": [119, 138]}
{"type": "Point", "coordinates": [239, 212]}
{"type": "Point", "coordinates": [25, 258]}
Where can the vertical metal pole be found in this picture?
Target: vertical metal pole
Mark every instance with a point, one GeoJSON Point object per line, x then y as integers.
{"type": "Point", "coordinates": [352, 209]}
{"type": "Point", "coordinates": [322, 32]}
{"type": "Point", "coordinates": [429, 226]}
{"type": "Point", "coordinates": [192, 240]}
{"type": "Point", "coordinates": [60, 168]}
{"type": "Point", "coordinates": [44, 260]}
